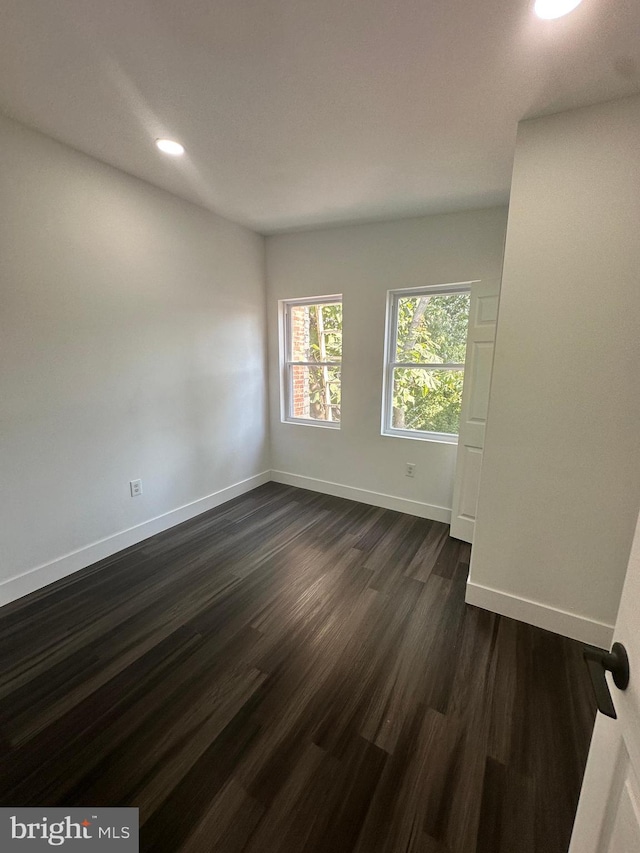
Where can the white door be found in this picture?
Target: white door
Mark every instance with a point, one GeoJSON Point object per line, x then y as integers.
{"type": "Point", "coordinates": [483, 315]}
{"type": "Point", "coordinates": [608, 817]}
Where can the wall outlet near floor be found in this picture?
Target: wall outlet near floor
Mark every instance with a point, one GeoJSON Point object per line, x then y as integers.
{"type": "Point", "coordinates": [410, 469]}
{"type": "Point", "coordinates": [136, 488]}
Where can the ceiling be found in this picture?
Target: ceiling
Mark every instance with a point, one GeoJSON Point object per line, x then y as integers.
{"type": "Point", "coordinates": [297, 113]}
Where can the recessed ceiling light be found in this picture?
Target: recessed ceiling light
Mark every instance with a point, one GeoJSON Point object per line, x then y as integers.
{"type": "Point", "coordinates": [549, 9]}
{"type": "Point", "coordinates": [168, 146]}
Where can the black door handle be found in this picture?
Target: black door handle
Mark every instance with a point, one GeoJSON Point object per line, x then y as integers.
{"type": "Point", "coordinates": [598, 662]}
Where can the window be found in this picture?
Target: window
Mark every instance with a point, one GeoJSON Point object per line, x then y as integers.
{"type": "Point", "coordinates": [424, 371]}
{"type": "Point", "coordinates": [312, 361]}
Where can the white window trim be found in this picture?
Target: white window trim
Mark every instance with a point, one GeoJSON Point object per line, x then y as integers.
{"type": "Point", "coordinates": [286, 363]}
{"type": "Point", "coordinates": [391, 341]}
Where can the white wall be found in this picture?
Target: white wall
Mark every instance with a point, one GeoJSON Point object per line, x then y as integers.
{"type": "Point", "coordinates": [132, 345]}
{"type": "Point", "coordinates": [560, 484]}
{"type": "Point", "coordinates": [362, 262]}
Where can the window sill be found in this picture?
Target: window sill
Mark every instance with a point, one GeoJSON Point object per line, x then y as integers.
{"type": "Point", "coordinates": [434, 437]}
{"type": "Point", "coordinates": [311, 423]}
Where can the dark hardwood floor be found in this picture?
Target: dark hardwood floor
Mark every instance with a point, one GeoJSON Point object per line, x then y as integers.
{"type": "Point", "coordinates": [294, 672]}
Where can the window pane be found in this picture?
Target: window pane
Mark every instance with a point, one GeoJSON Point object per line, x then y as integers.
{"type": "Point", "coordinates": [315, 393]}
{"type": "Point", "coordinates": [427, 400]}
{"type": "Point", "coordinates": [316, 332]}
{"type": "Point", "coordinates": [433, 329]}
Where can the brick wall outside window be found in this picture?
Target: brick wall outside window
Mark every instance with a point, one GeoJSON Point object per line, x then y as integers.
{"type": "Point", "coordinates": [300, 378]}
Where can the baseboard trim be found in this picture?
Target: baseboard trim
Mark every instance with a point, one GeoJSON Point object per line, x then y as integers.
{"type": "Point", "coordinates": [338, 490]}
{"type": "Point", "coordinates": [41, 576]}
{"type": "Point", "coordinates": [558, 621]}
{"type": "Point", "coordinates": [541, 615]}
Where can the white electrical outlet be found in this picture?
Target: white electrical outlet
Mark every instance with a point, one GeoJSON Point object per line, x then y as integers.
{"type": "Point", "coordinates": [410, 469]}
{"type": "Point", "coordinates": [136, 488]}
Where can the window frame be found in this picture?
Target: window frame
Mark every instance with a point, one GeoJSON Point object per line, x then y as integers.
{"type": "Point", "coordinates": [390, 364]}
{"type": "Point", "coordinates": [286, 373]}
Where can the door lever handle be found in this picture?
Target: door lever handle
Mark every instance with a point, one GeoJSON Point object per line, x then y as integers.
{"type": "Point", "coordinates": [598, 662]}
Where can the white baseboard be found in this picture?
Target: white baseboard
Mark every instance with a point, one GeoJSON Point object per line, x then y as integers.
{"type": "Point", "coordinates": [525, 610]}
{"type": "Point", "coordinates": [542, 615]}
{"type": "Point", "coordinates": [41, 576]}
{"type": "Point", "coordinates": [423, 510]}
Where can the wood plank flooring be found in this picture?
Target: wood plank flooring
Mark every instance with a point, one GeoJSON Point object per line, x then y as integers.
{"type": "Point", "coordinates": [294, 672]}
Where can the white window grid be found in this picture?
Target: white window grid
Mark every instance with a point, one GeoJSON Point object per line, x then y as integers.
{"type": "Point", "coordinates": [391, 344]}
{"type": "Point", "coordinates": [289, 363]}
